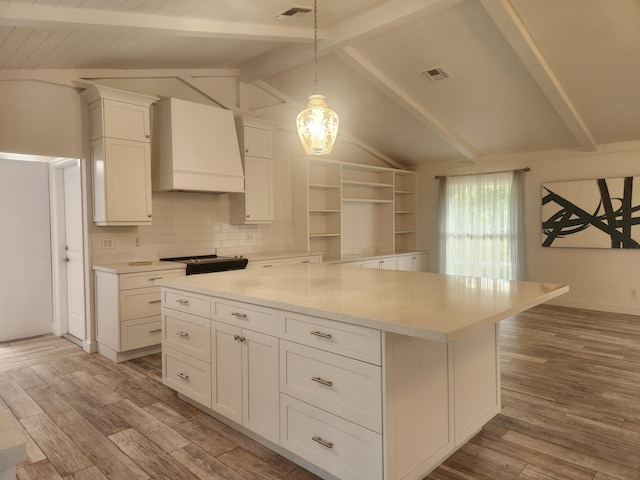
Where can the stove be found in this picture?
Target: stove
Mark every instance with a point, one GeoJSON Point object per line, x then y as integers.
{"type": "Point", "coordinates": [210, 263]}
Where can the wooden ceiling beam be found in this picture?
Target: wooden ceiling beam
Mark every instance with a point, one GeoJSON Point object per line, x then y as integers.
{"type": "Point", "coordinates": [358, 62]}
{"type": "Point", "coordinates": [516, 34]}
{"type": "Point", "coordinates": [43, 16]}
{"type": "Point", "coordinates": [372, 22]}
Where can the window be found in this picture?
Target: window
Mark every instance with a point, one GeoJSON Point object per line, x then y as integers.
{"type": "Point", "coordinates": [481, 225]}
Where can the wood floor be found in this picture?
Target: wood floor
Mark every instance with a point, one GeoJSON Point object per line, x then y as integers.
{"type": "Point", "coordinates": [570, 398]}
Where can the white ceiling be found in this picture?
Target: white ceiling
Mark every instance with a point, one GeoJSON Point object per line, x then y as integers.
{"type": "Point", "coordinates": [525, 75]}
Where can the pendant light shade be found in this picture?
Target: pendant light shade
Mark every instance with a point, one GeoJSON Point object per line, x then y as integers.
{"type": "Point", "coordinates": [317, 124]}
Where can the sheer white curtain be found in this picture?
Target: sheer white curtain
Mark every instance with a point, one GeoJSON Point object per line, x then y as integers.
{"type": "Point", "coordinates": [482, 225]}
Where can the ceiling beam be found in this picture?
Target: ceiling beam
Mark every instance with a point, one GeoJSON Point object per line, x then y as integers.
{"type": "Point", "coordinates": [392, 14]}
{"type": "Point", "coordinates": [517, 35]}
{"type": "Point", "coordinates": [43, 16]}
{"type": "Point", "coordinates": [358, 62]}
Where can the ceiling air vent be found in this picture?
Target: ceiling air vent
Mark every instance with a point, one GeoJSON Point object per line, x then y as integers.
{"type": "Point", "coordinates": [435, 73]}
{"type": "Point", "coordinates": [295, 12]}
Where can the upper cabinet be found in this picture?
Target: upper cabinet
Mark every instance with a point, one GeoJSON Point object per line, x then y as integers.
{"type": "Point", "coordinates": [120, 137]}
{"type": "Point", "coordinates": [256, 205]}
{"type": "Point", "coordinates": [345, 209]}
{"type": "Point", "coordinates": [195, 148]}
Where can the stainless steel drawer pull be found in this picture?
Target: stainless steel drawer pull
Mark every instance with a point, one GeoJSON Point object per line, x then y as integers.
{"type": "Point", "coordinates": [306, 261]}
{"type": "Point", "coordinates": [183, 302]}
{"type": "Point", "coordinates": [322, 381]}
{"type": "Point", "coordinates": [321, 335]}
{"type": "Point", "coordinates": [182, 334]}
{"type": "Point", "coordinates": [157, 330]}
{"type": "Point", "coordinates": [183, 376]}
{"type": "Point", "coordinates": [155, 278]}
{"type": "Point", "coordinates": [154, 301]}
{"type": "Point", "coordinates": [239, 315]}
{"type": "Point", "coordinates": [322, 441]}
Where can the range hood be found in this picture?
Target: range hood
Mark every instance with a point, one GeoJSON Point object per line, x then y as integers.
{"type": "Point", "coordinates": [194, 148]}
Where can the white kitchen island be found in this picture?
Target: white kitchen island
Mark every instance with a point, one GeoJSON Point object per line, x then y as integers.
{"type": "Point", "coordinates": [352, 373]}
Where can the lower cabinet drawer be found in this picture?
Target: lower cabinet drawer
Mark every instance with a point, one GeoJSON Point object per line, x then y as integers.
{"type": "Point", "coordinates": [139, 302]}
{"type": "Point", "coordinates": [189, 302]}
{"type": "Point", "coordinates": [187, 375]}
{"type": "Point", "coordinates": [141, 332]}
{"type": "Point", "coordinates": [245, 315]}
{"type": "Point", "coordinates": [345, 387]}
{"type": "Point", "coordinates": [186, 333]}
{"type": "Point", "coordinates": [342, 448]}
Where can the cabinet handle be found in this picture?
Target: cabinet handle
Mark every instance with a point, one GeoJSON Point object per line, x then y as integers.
{"type": "Point", "coordinates": [321, 335]}
{"type": "Point", "coordinates": [149, 215]}
{"type": "Point", "coordinates": [183, 302]}
{"type": "Point", "coordinates": [322, 442]}
{"type": "Point", "coordinates": [157, 330]}
{"type": "Point", "coordinates": [147, 136]}
{"type": "Point", "coordinates": [238, 338]}
{"type": "Point", "coordinates": [183, 376]}
{"type": "Point", "coordinates": [239, 315]}
{"type": "Point", "coordinates": [155, 278]}
{"type": "Point", "coordinates": [182, 334]}
{"type": "Point", "coordinates": [267, 266]}
{"type": "Point", "coordinates": [322, 381]}
{"type": "Point", "coordinates": [306, 261]}
{"type": "Point", "coordinates": [154, 301]}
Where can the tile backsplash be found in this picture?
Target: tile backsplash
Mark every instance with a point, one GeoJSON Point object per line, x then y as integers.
{"type": "Point", "coordinates": [187, 223]}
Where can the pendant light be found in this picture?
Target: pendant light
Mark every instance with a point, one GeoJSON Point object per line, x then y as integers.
{"type": "Point", "coordinates": [317, 124]}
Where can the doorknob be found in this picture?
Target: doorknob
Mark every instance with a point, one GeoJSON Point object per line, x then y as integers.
{"type": "Point", "coordinates": [65, 259]}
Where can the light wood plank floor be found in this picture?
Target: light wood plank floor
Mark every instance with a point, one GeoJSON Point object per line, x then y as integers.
{"type": "Point", "coordinates": [570, 395]}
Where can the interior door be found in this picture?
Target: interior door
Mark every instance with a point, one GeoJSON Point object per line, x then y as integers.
{"type": "Point", "coordinates": [74, 251]}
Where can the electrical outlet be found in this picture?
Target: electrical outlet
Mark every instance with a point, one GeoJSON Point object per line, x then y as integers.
{"type": "Point", "coordinates": [107, 243]}
{"type": "Point", "coordinates": [249, 238]}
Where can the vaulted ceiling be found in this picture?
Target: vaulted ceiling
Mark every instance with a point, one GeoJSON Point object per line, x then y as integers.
{"type": "Point", "coordinates": [522, 75]}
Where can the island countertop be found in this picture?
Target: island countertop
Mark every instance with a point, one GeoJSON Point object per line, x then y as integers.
{"type": "Point", "coordinates": [425, 305]}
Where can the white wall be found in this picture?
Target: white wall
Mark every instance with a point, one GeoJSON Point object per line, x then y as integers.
{"type": "Point", "coordinates": [25, 243]}
{"type": "Point", "coordinates": [599, 279]}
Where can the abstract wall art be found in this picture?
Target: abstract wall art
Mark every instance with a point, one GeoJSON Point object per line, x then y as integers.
{"type": "Point", "coordinates": [600, 213]}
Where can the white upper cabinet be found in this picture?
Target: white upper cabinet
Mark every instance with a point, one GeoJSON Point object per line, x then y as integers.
{"type": "Point", "coordinates": [120, 156]}
{"type": "Point", "coordinates": [256, 205]}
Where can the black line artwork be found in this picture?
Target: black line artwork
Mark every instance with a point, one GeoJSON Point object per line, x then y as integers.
{"type": "Point", "coordinates": [598, 213]}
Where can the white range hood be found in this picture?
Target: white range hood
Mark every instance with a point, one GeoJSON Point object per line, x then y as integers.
{"type": "Point", "coordinates": [195, 148]}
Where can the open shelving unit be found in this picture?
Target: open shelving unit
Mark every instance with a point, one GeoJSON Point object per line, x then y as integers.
{"type": "Point", "coordinates": [352, 209]}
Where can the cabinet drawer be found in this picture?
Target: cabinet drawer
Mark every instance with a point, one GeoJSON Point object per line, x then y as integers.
{"type": "Point", "coordinates": [346, 450]}
{"type": "Point", "coordinates": [141, 332]}
{"type": "Point", "coordinates": [188, 302]}
{"type": "Point", "coordinates": [348, 388]}
{"type": "Point", "coordinates": [291, 261]}
{"type": "Point", "coordinates": [353, 341]}
{"type": "Point", "coordinates": [246, 315]}
{"type": "Point", "coordinates": [265, 264]}
{"type": "Point", "coordinates": [187, 375]}
{"type": "Point", "coordinates": [140, 302]}
{"type": "Point", "coordinates": [146, 279]}
{"type": "Point", "coordinates": [186, 333]}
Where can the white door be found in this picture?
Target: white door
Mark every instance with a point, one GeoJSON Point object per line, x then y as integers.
{"type": "Point", "coordinates": [74, 250]}
{"type": "Point", "coordinates": [25, 245]}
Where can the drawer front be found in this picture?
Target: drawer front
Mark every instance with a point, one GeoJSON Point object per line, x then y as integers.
{"type": "Point", "coordinates": [348, 388]}
{"type": "Point", "coordinates": [140, 302]}
{"type": "Point", "coordinates": [314, 259]}
{"type": "Point", "coordinates": [353, 341]}
{"type": "Point", "coordinates": [146, 279]}
{"type": "Point", "coordinates": [141, 332]}
{"type": "Point", "coordinates": [186, 333]}
{"type": "Point", "coordinates": [342, 448]}
{"type": "Point", "coordinates": [265, 264]}
{"type": "Point", "coordinates": [187, 302]}
{"type": "Point", "coordinates": [246, 315]}
{"type": "Point", "coordinates": [187, 375]}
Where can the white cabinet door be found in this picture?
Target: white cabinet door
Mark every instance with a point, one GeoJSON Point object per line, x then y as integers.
{"type": "Point", "coordinates": [389, 263]}
{"type": "Point", "coordinates": [121, 181]}
{"type": "Point", "coordinates": [257, 142]}
{"type": "Point", "coordinates": [261, 384]}
{"type": "Point", "coordinates": [110, 118]}
{"type": "Point", "coordinates": [226, 371]}
{"type": "Point", "coordinates": [258, 184]}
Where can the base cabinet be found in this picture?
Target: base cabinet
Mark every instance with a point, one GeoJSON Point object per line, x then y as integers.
{"type": "Point", "coordinates": [353, 402]}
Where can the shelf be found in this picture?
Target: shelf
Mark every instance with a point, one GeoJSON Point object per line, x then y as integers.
{"type": "Point", "coordinates": [404, 212]}
{"type": "Point", "coordinates": [404, 232]}
{"type": "Point", "coordinates": [319, 235]}
{"type": "Point", "coordinates": [404, 192]}
{"type": "Point", "coordinates": [366, 184]}
{"type": "Point", "coordinates": [316, 210]}
{"type": "Point", "coordinates": [364, 200]}
{"type": "Point", "coordinates": [322, 185]}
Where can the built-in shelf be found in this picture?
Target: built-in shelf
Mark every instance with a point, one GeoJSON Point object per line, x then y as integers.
{"type": "Point", "coordinates": [347, 209]}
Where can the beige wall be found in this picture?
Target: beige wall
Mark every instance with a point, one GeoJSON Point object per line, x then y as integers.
{"type": "Point", "coordinates": [599, 279]}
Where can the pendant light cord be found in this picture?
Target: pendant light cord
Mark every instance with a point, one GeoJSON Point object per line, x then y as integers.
{"type": "Point", "coordinates": [315, 45]}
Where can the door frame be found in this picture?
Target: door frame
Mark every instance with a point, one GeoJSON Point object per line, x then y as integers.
{"type": "Point", "coordinates": [58, 242]}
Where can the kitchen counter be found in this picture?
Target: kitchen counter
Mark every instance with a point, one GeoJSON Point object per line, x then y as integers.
{"type": "Point", "coordinates": [424, 305]}
{"type": "Point", "coordinates": [138, 267]}
{"type": "Point", "coordinates": [353, 373]}
{"type": "Point", "coordinates": [259, 257]}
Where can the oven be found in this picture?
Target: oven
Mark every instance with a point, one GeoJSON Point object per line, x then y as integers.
{"type": "Point", "coordinates": [209, 263]}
